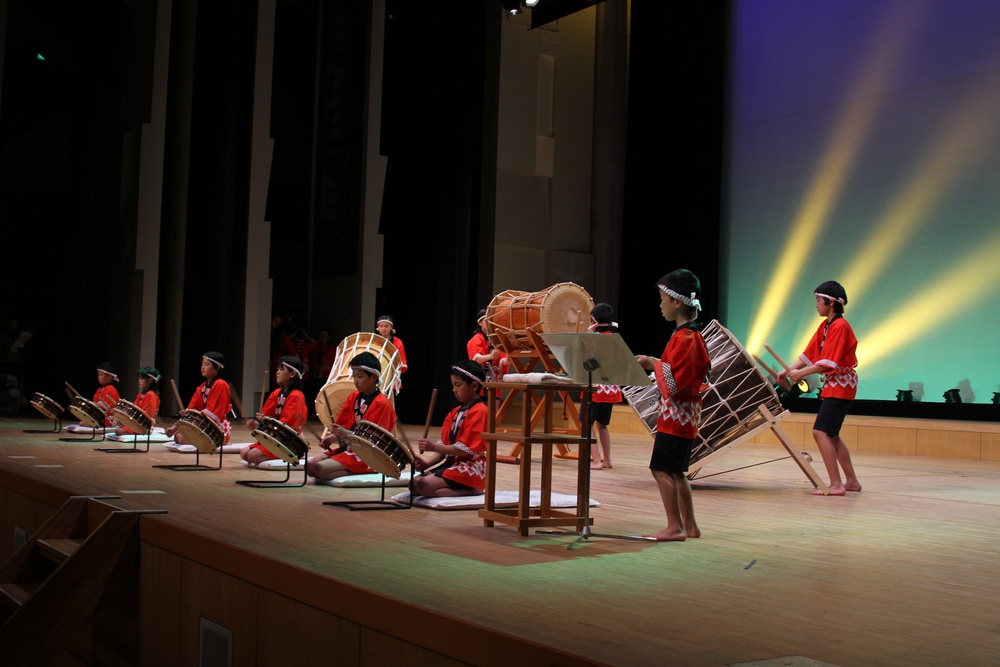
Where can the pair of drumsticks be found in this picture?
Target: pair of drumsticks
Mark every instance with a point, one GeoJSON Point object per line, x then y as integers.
{"type": "Point", "coordinates": [785, 384]}
{"type": "Point", "coordinates": [104, 405]}
{"type": "Point", "coordinates": [427, 424]}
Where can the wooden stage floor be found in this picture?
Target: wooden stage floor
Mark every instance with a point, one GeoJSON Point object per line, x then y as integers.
{"type": "Point", "coordinates": [902, 573]}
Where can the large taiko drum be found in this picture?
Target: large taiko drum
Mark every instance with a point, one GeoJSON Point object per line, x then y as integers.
{"type": "Point", "coordinates": [340, 384]}
{"type": "Point", "coordinates": [737, 388]}
{"type": "Point", "coordinates": [281, 440]}
{"type": "Point", "coordinates": [88, 412]}
{"type": "Point", "coordinates": [379, 449]}
{"type": "Point", "coordinates": [132, 417]}
{"type": "Point", "coordinates": [562, 308]}
{"type": "Point", "coordinates": [46, 406]}
{"type": "Point", "coordinates": [201, 431]}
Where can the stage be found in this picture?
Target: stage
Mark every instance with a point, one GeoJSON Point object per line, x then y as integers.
{"type": "Point", "coordinates": [899, 573]}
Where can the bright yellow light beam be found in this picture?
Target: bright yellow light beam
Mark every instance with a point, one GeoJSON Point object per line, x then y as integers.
{"type": "Point", "coordinates": [965, 137]}
{"type": "Point", "coordinates": [840, 154]}
{"type": "Point", "coordinates": [963, 286]}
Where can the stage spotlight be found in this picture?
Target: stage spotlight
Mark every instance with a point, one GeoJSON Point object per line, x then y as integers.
{"type": "Point", "coordinates": [530, 3]}
{"type": "Point", "coordinates": [511, 7]}
{"type": "Point", "coordinates": [952, 396]}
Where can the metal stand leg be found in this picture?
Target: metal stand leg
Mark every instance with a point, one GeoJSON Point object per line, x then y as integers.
{"type": "Point", "coordinates": [381, 504]}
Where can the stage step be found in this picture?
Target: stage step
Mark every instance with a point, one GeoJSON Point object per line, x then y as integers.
{"type": "Point", "coordinates": [54, 583]}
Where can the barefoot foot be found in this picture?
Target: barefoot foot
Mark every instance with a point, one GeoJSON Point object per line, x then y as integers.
{"type": "Point", "coordinates": [666, 535]}
{"type": "Point", "coordinates": [855, 486]}
{"type": "Point", "coordinates": [833, 491]}
{"type": "Point", "coordinates": [607, 464]}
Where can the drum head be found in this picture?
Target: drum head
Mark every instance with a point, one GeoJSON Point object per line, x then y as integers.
{"type": "Point", "coordinates": [87, 412]}
{"type": "Point", "coordinates": [281, 440]}
{"type": "Point", "coordinates": [330, 400]}
{"type": "Point", "coordinates": [132, 417]}
{"type": "Point", "coordinates": [277, 447]}
{"type": "Point", "coordinates": [566, 309]}
{"type": "Point", "coordinates": [201, 432]}
{"type": "Point", "coordinates": [375, 458]}
{"type": "Point", "coordinates": [46, 406]}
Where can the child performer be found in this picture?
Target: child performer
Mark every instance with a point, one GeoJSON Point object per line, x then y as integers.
{"type": "Point", "coordinates": [368, 404]}
{"type": "Point", "coordinates": [605, 396]}
{"type": "Point", "coordinates": [212, 398]}
{"type": "Point", "coordinates": [832, 352]}
{"type": "Point", "coordinates": [386, 328]}
{"type": "Point", "coordinates": [680, 374]}
{"type": "Point", "coordinates": [461, 445]}
{"type": "Point", "coordinates": [148, 400]}
{"type": "Point", "coordinates": [287, 404]}
{"type": "Point", "coordinates": [106, 396]}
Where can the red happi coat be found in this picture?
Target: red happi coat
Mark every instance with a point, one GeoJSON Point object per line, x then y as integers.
{"type": "Point", "coordinates": [680, 376]}
{"type": "Point", "coordinates": [834, 347]}
{"type": "Point", "coordinates": [379, 412]}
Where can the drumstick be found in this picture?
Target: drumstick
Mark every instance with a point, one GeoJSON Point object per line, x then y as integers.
{"type": "Point", "coordinates": [237, 403]}
{"type": "Point", "coordinates": [770, 371]}
{"type": "Point", "coordinates": [70, 387]}
{"type": "Point", "coordinates": [803, 386]}
{"type": "Point", "coordinates": [177, 395]}
{"type": "Point", "coordinates": [263, 390]}
{"type": "Point", "coordinates": [430, 412]}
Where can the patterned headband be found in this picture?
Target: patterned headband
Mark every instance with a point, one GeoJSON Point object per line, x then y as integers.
{"type": "Point", "coordinates": [462, 371]}
{"type": "Point", "coordinates": [687, 301]}
{"type": "Point", "coordinates": [292, 368]}
{"type": "Point", "coordinates": [831, 298]}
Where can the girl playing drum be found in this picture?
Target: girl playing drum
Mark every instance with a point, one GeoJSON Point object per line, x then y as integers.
{"type": "Point", "coordinates": [287, 404]}
{"type": "Point", "coordinates": [461, 446]}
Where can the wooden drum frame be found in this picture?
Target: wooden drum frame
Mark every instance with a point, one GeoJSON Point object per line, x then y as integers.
{"type": "Point", "coordinates": [730, 408]}
{"type": "Point", "coordinates": [340, 383]}
{"type": "Point", "coordinates": [561, 308]}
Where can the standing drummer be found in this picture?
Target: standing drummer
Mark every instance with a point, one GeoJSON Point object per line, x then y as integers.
{"type": "Point", "coordinates": [681, 376]}
{"type": "Point", "coordinates": [832, 351]}
{"type": "Point", "coordinates": [212, 398]}
{"type": "Point", "coordinates": [287, 404]}
{"type": "Point", "coordinates": [367, 403]}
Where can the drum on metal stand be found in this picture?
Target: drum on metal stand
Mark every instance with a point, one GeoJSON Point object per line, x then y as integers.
{"type": "Point", "coordinates": [132, 417]}
{"type": "Point", "coordinates": [47, 408]}
{"type": "Point", "coordinates": [282, 441]}
{"type": "Point", "coordinates": [88, 412]}
{"type": "Point", "coordinates": [379, 449]}
{"type": "Point", "coordinates": [201, 431]}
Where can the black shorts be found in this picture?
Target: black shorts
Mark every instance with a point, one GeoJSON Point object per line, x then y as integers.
{"type": "Point", "coordinates": [830, 417]}
{"type": "Point", "coordinates": [671, 453]}
{"type": "Point", "coordinates": [600, 412]}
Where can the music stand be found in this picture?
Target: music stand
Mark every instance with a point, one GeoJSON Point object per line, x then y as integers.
{"type": "Point", "coordinates": [589, 358]}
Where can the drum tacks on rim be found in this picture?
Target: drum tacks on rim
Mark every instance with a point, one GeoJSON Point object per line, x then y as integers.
{"type": "Point", "coordinates": [379, 449]}
{"type": "Point", "coordinates": [281, 440]}
{"type": "Point", "coordinates": [201, 431]}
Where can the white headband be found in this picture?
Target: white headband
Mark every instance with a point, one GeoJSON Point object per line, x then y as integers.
{"type": "Point", "coordinates": [371, 370]}
{"type": "Point", "coordinates": [831, 298]}
{"type": "Point", "coordinates": [214, 362]}
{"type": "Point", "coordinates": [292, 368]}
{"type": "Point", "coordinates": [459, 369]}
{"type": "Point", "coordinates": [113, 375]}
{"type": "Point", "coordinates": [687, 301]}
{"type": "Point", "coordinates": [602, 324]}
